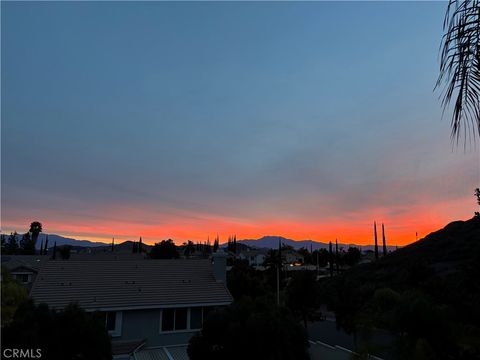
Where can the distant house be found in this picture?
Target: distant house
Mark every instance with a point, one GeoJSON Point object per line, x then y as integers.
{"type": "Point", "coordinates": [151, 307]}
{"type": "Point", "coordinates": [24, 268]}
{"type": "Point", "coordinates": [255, 257]}
{"type": "Point", "coordinates": [292, 257]}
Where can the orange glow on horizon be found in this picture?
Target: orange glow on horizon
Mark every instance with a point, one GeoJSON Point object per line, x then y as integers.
{"type": "Point", "coordinates": [355, 228]}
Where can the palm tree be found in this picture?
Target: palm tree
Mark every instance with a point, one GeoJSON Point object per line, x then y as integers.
{"type": "Point", "coordinates": [35, 229]}
{"type": "Point", "coordinates": [460, 67]}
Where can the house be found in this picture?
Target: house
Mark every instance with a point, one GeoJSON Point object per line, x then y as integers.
{"type": "Point", "coordinates": [255, 257]}
{"type": "Point", "coordinates": [152, 307]}
{"type": "Point", "coordinates": [24, 268]}
{"type": "Point", "coordinates": [292, 257]}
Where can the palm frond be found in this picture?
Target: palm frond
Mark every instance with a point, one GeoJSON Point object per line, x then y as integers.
{"type": "Point", "coordinates": [460, 67]}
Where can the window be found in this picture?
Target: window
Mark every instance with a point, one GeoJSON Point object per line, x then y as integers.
{"type": "Point", "coordinates": [110, 321]}
{"type": "Point", "coordinates": [196, 318]}
{"type": "Point", "coordinates": [180, 319]}
{"type": "Point", "coordinates": [23, 278]}
{"type": "Point", "coordinates": [168, 319]}
{"type": "Point", "coordinates": [113, 322]}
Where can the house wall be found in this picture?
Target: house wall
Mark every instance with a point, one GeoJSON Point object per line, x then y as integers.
{"type": "Point", "coordinates": [145, 324]}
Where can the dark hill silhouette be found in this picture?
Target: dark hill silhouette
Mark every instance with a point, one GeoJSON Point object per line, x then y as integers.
{"type": "Point", "coordinates": [435, 284]}
{"type": "Point", "coordinates": [271, 242]}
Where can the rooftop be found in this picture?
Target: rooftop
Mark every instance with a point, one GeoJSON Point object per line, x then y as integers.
{"type": "Point", "coordinates": [121, 284]}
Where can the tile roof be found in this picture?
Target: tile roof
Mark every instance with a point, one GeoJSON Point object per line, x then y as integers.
{"type": "Point", "coordinates": [126, 347]}
{"type": "Point", "coordinates": [33, 262]}
{"type": "Point", "coordinates": [128, 284]}
{"type": "Point", "coordinates": [165, 353]}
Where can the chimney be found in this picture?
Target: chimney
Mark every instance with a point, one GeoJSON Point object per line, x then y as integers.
{"type": "Point", "coordinates": [219, 264]}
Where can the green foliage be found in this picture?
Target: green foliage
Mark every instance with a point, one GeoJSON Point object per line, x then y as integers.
{"type": "Point", "coordinates": [250, 329]}
{"type": "Point", "coordinates": [165, 249]}
{"type": "Point", "coordinates": [63, 335]}
{"type": "Point", "coordinates": [13, 294]}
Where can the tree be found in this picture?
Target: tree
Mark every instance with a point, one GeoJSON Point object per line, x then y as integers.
{"type": "Point", "coordinates": [13, 294]}
{"type": "Point", "coordinates": [65, 251]}
{"type": "Point", "coordinates": [165, 249]}
{"type": "Point", "coordinates": [140, 245]}
{"type": "Point", "coordinates": [68, 334]}
{"type": "Point", "coordinates": [243, 280]}
{"type": "Point", "coordinates": [45, 250]}
{"type": "Point", "coordinates": [27, 245]}
{"type": "Point", "coordinates": [189, 248]}
{"type": "Point", "coordinates": [477, 195]}
{"type": "Point", "coordinates": [460, 66]}
{"type": "Point", "coordinates": [215, 245]}
{"type": "Point", "coordinates": [303, 294]}
{"type": "Point", "coordinates": [250, 329]}
{"type": "Point", "coordinates": [11, 247]}
{"type": "Point", "coordinates": [35, 230]}
{"type": "Point", "coordinates": [352, 256]}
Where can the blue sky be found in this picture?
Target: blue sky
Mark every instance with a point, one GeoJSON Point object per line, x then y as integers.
{"type": "Point", "coordinates": [185, 119]}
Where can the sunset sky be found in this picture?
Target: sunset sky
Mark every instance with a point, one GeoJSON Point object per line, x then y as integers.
{"type": "Point", "coordinates": [183, 120]}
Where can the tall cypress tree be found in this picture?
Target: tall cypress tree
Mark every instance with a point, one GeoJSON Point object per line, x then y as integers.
{"type": "Point", "coordinates": [330, 258]}
{"type": "Point", "coordinates": [376, 241]}
{"type": "Point", "coordinates": [384, 241]}
{"type": "Point", "coordinates": [45, 250]}
{"type": "Point", "coordinates": [336, 256]}
{"type": "Point", "coordinates": [140, 246]}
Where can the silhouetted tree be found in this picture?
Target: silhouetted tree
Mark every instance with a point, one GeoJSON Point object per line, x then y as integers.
{"type": "Point", "coordinates": [215, 245]}
{"type": "Point", "coordinates": [165, 249]}
{"type": "Point", "coordinates": [11, 247]}
{"type": "Point", "coordinates": [243, 280]}
{"type": "Point", "coordinates": [376, 240]}
{"type": "Point", "coordinates": [35, 230]}
{"type": "Point", "coordinates": [65, 251]}
{"type": "Point", "coordinates": [250, 329]}
{"type": "Point", "coordinates": [140, 245]}
{"type": "Point", "coordinates": [352, 256]}
{"type": "Point", "coordinates": [303, 294]}
{"type": "Point", "coordinates": [477, 195]}
{"type": "Point", "coordinates": [384, 241]}
{"type": "Point", "coordinates": [330, 258]}
{"type": "Point", "coordinates": [3, 242]}
{"type": "Point", "coordinates": [45, 250]}
{"type": "Point", "coordinates": [189, 248]}
{"type": "Point", "coordinates": [27, 245]}
{"type": "Point", "coordinates": [68, 334]}
{"type": "Point", "coordinates": [460, 66]}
